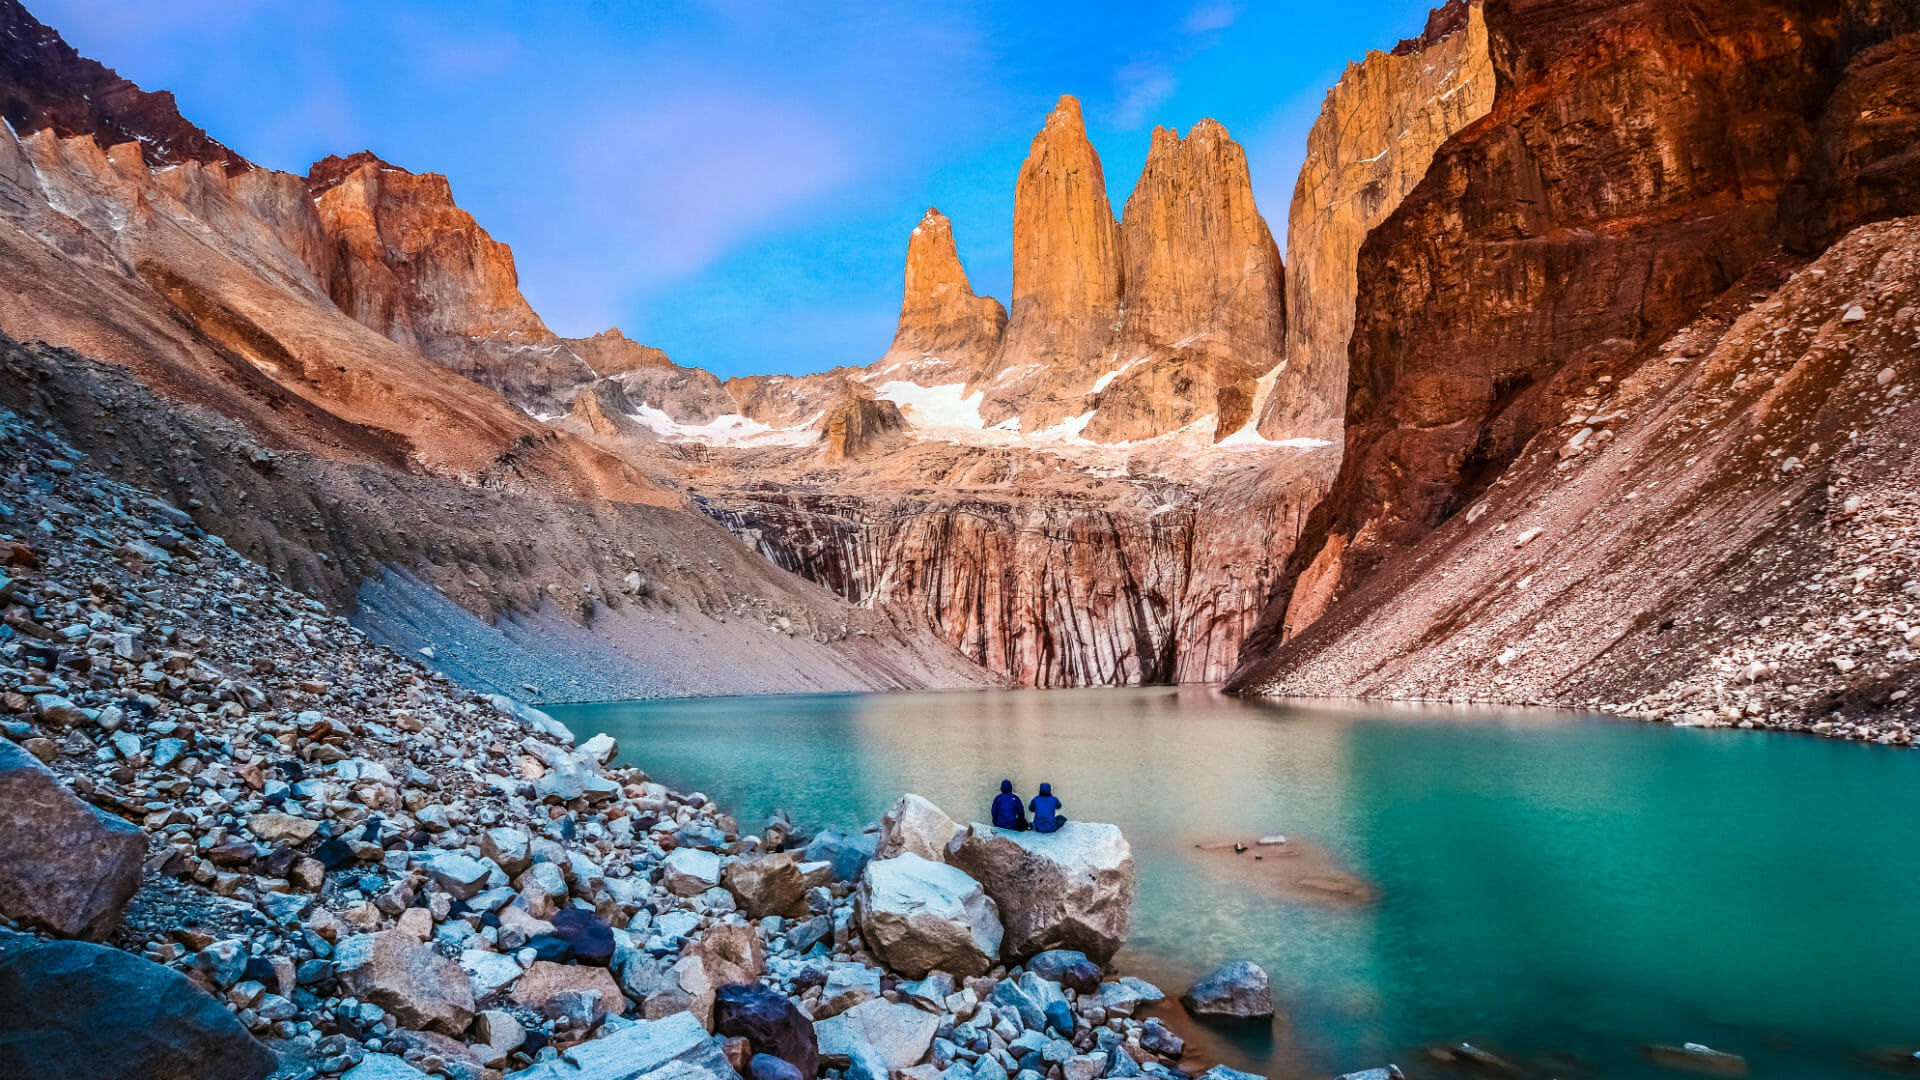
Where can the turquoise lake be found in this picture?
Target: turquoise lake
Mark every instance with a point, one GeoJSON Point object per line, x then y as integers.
{"type": "Point", "coordinates": [1560, 890]}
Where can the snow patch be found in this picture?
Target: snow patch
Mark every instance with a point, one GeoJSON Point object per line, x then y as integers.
{"type": "Point", "coordinates": [731, 429]}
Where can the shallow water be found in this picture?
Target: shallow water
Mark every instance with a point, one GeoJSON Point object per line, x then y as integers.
{"type": "Point", "coordinates": [1559, 889]}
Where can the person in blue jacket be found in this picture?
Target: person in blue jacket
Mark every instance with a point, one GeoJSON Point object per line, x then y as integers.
{"type": "Point", "coordinates": [1046, 811]}
{"type": "Point", "coordinates": [1007, 813]}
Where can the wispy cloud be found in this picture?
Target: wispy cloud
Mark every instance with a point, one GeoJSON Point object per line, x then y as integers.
{"type": "Point", "coordinates": [1209, 16]}
{"type": "Point", "coordinates": [1139, 88]}
{"type": "Point", "coordinates": [664, 192]}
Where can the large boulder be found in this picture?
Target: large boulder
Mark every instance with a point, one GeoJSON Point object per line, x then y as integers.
{"type": "Point", "coordinates": [914, 825]}
{"type": "Point", "coordinates": [65, 867]}
{"type": "Point", "coordinates": [770, 1022]}
{"type": "Point", "coordinates": [1071, 889]}
{"type": "Point", "coordinates": [1236, 990]}
{"type": "Point", "coordinates": [767, 885]}
{"type": "Point", "coordinates": [546, 984]}
{"type": "Point", "coordinates": [392, 969]}
{"type": "Point", "coordinates": [690, 871]}
{"type": "Point", "coordinates": [847, 855]}
{"type": "Point", "coordinates": [874, 1039]}
{"type": "Point", "coordinates": [919, 916]}
{"type": "Point", "coordinates": [86, 1012]}
{"type": "Point", "coordinates": [675, 1046]}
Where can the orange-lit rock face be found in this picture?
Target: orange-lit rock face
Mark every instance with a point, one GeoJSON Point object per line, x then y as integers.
{"type": "Point", "coordinates": [418, 269]}
{"type": "Point", "coordinates": [946, 333]}
{"type": "Point", "coordinates": [611, 352]}
{"type": "Point", "coordinates": [859, 426]}
{"type": "Point", "coordinates": [1202, 315]}
{"type": "Point", "coordinates": [1375, 137]}
{"type": "Point", "coordinates": [1066, 280]}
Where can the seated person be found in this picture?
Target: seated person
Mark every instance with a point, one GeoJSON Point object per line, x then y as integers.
{"type": "Point", "coordinates": [1007, 813]}
{"type": "Point", "coordinates": [1046, 811]}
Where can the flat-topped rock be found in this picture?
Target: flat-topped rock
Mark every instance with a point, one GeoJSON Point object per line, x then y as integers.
{"type": "Point", "coordinates": [1071, 889]}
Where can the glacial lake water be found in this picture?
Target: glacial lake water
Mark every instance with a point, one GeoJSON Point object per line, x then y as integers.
{"type": "Point", "coordinates": [1560, 890]}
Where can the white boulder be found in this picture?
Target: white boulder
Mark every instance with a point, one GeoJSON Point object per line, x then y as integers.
{"type": "Point", "coordinates": [920, 916]}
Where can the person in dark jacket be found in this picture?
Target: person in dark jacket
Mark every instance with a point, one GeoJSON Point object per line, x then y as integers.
{"type": "Point", "coordinates": [1046, 811]}
{"type": "Point", "coordinates": [1007, 813]}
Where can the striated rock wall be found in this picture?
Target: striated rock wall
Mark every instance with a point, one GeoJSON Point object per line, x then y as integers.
{"type": "Point", "coordinates": [946, 334]}
{"type": "Point", "coordinates": [1865, 164]}
{"type": "Point", "coordinates": [1067, 273]}
{"type": "Point", "coordinates": [1202, 316]}
{"type": "Point", "coordinates": [1044, 583]}
{"type": "Point", "coordinates": [1631, 169]}
{"type": "Point", "coordinates": [1376, 135]}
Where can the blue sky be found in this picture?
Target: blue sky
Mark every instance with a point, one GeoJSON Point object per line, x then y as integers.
{"type": "Point", "coordinates": [735, 181]}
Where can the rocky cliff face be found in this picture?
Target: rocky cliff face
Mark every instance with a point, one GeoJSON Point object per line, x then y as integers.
{"type": "Point", "coordinates": [46, 86]}
{"type": "Point", "coordinates": [1202, 316]}
{"type": "Point", "coordinates": [1632, 169]}
{"type": "Point", "coordinates": [946, 333]}
{"type": "Point", "coordinates": [860, 426]}
{"type": "Point", "coordinates": [1376, 135]}
{"type": "Point", "coordinates": [1067, 268]}
{"type": "Point", "coordinates": [419, 270]}
{"type": "Point", "coordinates": [611, 352]}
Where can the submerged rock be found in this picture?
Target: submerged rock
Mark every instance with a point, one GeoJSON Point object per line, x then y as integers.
{"type": "Point", "coordinates": [919, 916]}
{"type": "Point", "coordinates": [1698, 1057]}
{"type": "Point", "coordinates": [1237, 989]}
{"type": "Point", "coordinates": [1071, 889]}
{"type": "Point", "coordinates": [86, 1012]}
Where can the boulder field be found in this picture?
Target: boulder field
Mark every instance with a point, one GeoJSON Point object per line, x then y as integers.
{"type": "Point", "coordinates": [305, 852]}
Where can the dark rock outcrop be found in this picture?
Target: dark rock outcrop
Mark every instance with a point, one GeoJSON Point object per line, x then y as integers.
{"type": "Point", "coordinates": [87, 1012]}
{"type": "Point", "coordinates": [860, 425]}
{"type": "Point", "coordinates": [64, 867]}
{"type": "Point", "coordinates": [47, 86]}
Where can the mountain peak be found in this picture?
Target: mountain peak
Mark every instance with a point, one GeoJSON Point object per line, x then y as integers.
{"type": "Point", "coordinates": [45, 84]}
